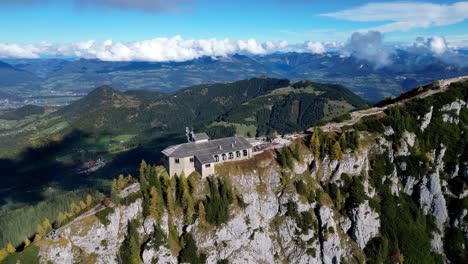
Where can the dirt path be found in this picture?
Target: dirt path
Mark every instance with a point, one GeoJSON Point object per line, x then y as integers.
{"type": "Point", "coordinates": [357, 115]}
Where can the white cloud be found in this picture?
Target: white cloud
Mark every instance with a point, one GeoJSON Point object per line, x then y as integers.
{"type": "Point", "coordinates": [370, 47]}
{"type": "Point", "coordinates": [157, 49]}
{"type": "Point", "coordinates": [405, 16]}
{"type": "Point", "coordinates": [316, 47]}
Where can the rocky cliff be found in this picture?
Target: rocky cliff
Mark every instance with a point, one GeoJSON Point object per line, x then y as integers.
{"type": "Point", "coordinates": [391, 188]}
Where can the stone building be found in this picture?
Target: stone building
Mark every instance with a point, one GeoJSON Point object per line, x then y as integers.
{"type": "Point", "coordinates": [202, 154]}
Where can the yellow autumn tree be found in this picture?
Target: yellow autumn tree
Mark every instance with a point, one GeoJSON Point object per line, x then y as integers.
{"type": "Point", "coordinates": [40, 230]}
{"type": "Point", "coordinates": [3, 254]}
{"type": "Point", "coordinates": [89, 200]}
{"type": "Point", "coordinates": [336, 153]}
{"type": "Point", "coordinates": [26, 242]}
{"type": "Point", "coordinates": [83, 205]}
{"type": "Point", "coordinates": [153, 203]}
{"type": "Point", "coordinates": [10, 248]}
{"type": "Point", "coordinates": [315, 144]}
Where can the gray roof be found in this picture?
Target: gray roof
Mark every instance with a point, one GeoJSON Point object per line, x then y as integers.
{"type": "Point", "coordinates": [200, 136]}
{"type": "Point", "coordinates": [204, 151]}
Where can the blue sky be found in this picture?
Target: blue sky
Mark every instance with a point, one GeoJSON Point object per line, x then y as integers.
{"type": "Point", "coordinates": [296, 21]}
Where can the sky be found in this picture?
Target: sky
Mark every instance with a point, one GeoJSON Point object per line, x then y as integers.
{"type": "Point", "coordinates": [161, 30]}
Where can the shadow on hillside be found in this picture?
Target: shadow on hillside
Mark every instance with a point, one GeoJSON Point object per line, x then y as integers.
{"type": "Point", "coordinates": [26, 180]}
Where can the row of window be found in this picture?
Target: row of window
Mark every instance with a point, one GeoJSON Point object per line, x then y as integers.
{"type": "Point", "coordinates": [230, 155]}
{"type": "Point", "coordinates": [224, 156]}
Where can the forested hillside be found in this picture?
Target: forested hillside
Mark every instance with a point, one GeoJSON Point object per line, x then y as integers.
{"type": "Point", "coordinates": [391, 188]}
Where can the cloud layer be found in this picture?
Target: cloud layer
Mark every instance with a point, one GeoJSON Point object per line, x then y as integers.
{"type": "Point", "coordinates": [158, 49]}
{"type": "Point", "coordinates": [405, 16]}
{"type": "Point", "coordinates": [369, 46]}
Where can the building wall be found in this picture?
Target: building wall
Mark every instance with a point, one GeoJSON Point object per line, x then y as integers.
{"type": "Point", "coordinates": [184, 166]}
{"type": "Point", "coordinates": [188, 167]}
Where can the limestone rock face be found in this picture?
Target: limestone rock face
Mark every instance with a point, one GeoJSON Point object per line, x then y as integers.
{"type": "Point", "coordinates": [365, 224]}
{"type": "Point", "coordinates": [87, 237]}
{"type": "Point", "coordinates": [332, 248]}
{"type": "Point", "coordinates": [432, 199]}
{"type": "Point", "coordinates": [426, 119]}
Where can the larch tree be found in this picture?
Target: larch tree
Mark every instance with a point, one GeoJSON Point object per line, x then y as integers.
{"type": "Point", "coordinates": [10, 248]}
{"type": "Point", "coordinates": [89, 200]}
{"type": "Point", "coordinates": [336, 153]}
{"type": "Point", "coordinates": [315, 144]}
{"type": "Point", "coordinates": [3, 254]}
{"type": "Point", "coordinates": [26, 243]}
{"type": "Point", "coordinates": [83, 205]}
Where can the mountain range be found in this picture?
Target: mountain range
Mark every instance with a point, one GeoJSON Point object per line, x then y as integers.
{"type": "Point", "coordinates": [373, 82]}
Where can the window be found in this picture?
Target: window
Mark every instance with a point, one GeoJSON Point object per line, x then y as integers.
{"type": "Point", "coordinates": [231, 155]}
{"type": "Point", "coordinates": [191, 160]}
{"type": "Point", "coordinates": [176, 161]}
{"type": "Point", "coordinates": [216, 157]}
{"type": "Point", "coordinates": [224, 156]}
{"type": "Point", "coordinates": [207, 165]}
{"type": "Point", "coordinates": [238, 154]}
{"type": "Point", "coordinates": [244, 152]}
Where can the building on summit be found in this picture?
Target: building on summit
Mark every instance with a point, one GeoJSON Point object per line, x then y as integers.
{"type": "Point", "coordinates": [201, 154]}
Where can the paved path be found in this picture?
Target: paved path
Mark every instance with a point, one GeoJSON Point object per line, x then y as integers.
{"type": "Point", "coordinates": [357, 115]}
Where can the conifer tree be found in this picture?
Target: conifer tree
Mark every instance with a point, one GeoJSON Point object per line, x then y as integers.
{"type": "Point", "coordinates": [143, 169]}
{"type": "Point", "coordinates": [130, 248]}
{"type": "Point", "coordinates": [82, 205]}
{"type": "Point", "coordinates": [120, 182]}
{"type": "Point", "coordinates": [46, 225]}
{"type": "Point", "coordinates": [336, 153]}
{"type": "Point", "coordinates": [10, 248]}
{"type": "Point", "coordinates": [114, 190]}
{"type": "Point", "coordinates": [75, 208]}
{"type": "Point", "coordinates": [170, 201]}
{"type": "Point", "coordinates": [315, 144]}
{"type": "Point", "coordinates": [3, 254]}
{"type": "Point", "coordinates": [89, 200]}
{"type": "Point", "coordinates": [154, 204]}
{"type": "Point", "coordinates": [37, 237]}
{"type": "Point", "coordinates": [40, 230]}
{"type": "Point", "coordinates": [173, 240]}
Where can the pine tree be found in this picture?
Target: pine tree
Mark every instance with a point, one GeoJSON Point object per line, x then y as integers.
{"type": "Point", "coordinates": [170, 201]}
{"type": "Point", "coordinates": [143, 169]}
{"type": "Point", "coordinates": [130, 248]}
{"type": "Point", "coordinates": [120, 182]}
{"type": "Point", "coordinates": [173, 240]}
{"type": "Point", "coordinates": [315, 144]}
{"type": "Point", "coordinates": [115, 191]}
{"type": "Point", "coordinates": [89, 200]}
{"type": "Point", "coordinates": [154, 204]}
{"type": "Point", "coordinates": [336, 153]}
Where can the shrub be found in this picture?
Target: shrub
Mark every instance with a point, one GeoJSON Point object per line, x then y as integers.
{"type": "Point", "coordinates": [103, 214]}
